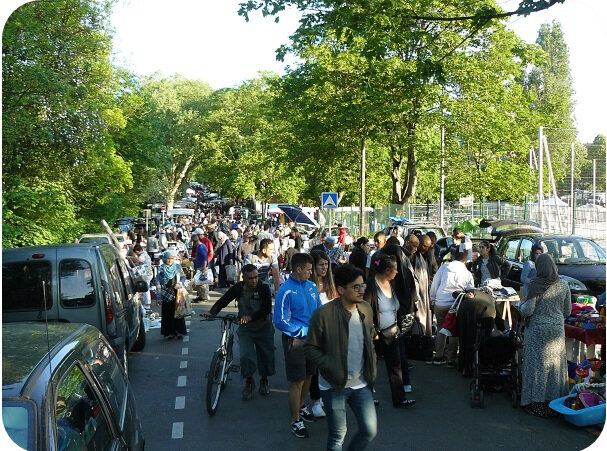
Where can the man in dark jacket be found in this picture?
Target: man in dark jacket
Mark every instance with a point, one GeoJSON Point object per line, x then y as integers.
{"type": "Point", "coordinates": [256, 331]}
{"type": "Point", "coordinates": [340, 343]}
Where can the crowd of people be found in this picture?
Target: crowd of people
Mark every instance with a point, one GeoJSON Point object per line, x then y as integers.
{"type": "Point", "coordinates": [340, 307]}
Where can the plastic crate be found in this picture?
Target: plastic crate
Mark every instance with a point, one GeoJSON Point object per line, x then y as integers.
{"type": "Point", "coordinates": [582, 417]}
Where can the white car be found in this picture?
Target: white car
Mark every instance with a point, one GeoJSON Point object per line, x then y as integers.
{"type": "Point", "coordinates": [103, 238]}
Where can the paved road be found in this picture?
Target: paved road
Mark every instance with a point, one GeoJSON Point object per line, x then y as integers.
{"type": "Point", "coordinates": [168, 381]}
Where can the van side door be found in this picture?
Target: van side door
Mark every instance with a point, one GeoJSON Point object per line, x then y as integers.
{"type": "Point", "coordinates": [132, 301]}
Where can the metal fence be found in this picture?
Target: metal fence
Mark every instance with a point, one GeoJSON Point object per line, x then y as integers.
{"type": "Point", "coordinates": [587, 220]}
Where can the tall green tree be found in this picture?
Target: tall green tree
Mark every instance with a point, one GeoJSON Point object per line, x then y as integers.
{"type": "Point", "coordinates": [405, 75]}
{"type": "Point", "coordinates": [246, 155]}
{"type": "Point", "coordinates": [57, 109]}
{"type": "Point", "coordinates": [165, 118]}
{"type": "Point", "coordinates": [550, 85]}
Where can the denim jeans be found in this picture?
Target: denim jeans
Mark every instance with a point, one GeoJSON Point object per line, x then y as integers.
{"type": "Point", "coordinates": [361, 403]}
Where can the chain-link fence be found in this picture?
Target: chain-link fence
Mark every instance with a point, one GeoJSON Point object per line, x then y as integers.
{"type": "Point", "coordinates": [588, 220]}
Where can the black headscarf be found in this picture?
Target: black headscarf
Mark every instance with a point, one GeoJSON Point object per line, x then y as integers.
{"type": "Point", "coordinates": [547, 275]}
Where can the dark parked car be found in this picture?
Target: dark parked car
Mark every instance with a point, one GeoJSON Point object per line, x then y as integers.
{"type": "Point", "coordinates": [410, 227]}
{"type": "Point", "coordinates": [580, 261]}
{"type": "Point", "coordinates": [80, 283]}
{"type": "Point", "coordinates": [63, 388]}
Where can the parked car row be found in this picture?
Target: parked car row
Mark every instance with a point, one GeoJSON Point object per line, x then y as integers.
{"type": "Point", "coordinates": [79, 283]}
{"type": "Point", "coordinates": [65, 382]}
{"type": "Point", "coordinates": [580, 261]}
{"type": "Point", "coordinates": [64, 389]}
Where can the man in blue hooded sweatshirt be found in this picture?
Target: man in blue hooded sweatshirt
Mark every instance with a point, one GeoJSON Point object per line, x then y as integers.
{"type": "Point", "coordinates": [296, 300]}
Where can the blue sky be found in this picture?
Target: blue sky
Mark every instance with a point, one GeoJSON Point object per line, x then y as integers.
{"type": "Point", "coordinates": [207, 40]}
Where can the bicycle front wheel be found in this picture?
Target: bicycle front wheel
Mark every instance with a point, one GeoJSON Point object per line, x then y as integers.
{"type": "Point", "coordinates": [215, 381]}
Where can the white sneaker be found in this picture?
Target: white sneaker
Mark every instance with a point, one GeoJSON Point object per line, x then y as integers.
{"type": "Point", "coordinates": [318, 411]}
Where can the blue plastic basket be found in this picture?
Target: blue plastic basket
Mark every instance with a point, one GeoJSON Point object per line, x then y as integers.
{"type": "Point", "coordinates": [582, 417]}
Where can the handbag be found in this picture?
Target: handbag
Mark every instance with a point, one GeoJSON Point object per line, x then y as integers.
{"type": "Point", "coordinates": [231, 273]}
{"type": "Point", "coordinates": [390, 333]}
{"type": "Point", "coordinates": [405, 322]}
{"type": "Point", "coordinates": [449, 326]}
{"type": "Point", "coordinates": [417, 345]}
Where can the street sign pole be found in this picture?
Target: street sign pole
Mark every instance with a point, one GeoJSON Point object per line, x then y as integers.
{"type": "Point", "coordinates": [329, 201]}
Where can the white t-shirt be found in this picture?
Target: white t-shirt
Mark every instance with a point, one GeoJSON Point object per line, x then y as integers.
{"type": "Point", "coordinates": [356, 358]}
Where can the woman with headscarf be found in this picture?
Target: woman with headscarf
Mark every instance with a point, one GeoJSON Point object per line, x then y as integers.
{"type": "Point", "coordinates": [225, 256]}
{"type": "Point", "coordinates": [170, 278]}
{"type": "Point", "coordinates": [545, 362]}
{"type": "Point", "coordinates": [528, 273]}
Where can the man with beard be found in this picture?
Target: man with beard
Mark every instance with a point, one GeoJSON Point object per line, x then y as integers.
{"type": "Point", "coordinates": [420, 270]}
{"type": "Point", "coordinates": [426, 249]}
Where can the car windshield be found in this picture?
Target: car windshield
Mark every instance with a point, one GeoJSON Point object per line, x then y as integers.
{"type": "Point", "coordinates": [18, 419]}
{"type": "Point", "coordinates": [94, 239]}
{"type": "Point", "coordinates": [573, 251]}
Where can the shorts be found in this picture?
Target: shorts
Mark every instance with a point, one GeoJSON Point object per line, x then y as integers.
{"type": "Point", "coordinates": [296, 364]}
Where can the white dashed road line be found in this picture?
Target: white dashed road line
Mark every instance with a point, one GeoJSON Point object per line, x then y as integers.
{"type": "Point", "coordinates": [183, 365]}
{"type": "Point", "coordinates": [177, 430]}
{"type": "Point", "coordinates": [180, 402]}
{"type": "Point", "coordinates": [184, 351]}
{"type": "Point", "coordinates": [186, 338]}
{"type": "Point", "coordinates": [182, 381]}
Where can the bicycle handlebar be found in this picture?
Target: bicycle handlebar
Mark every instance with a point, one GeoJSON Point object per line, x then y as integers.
{"type": "Point", "coordinates": [227, 317]}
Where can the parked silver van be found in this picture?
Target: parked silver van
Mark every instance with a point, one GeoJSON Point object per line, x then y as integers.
{"type": "Point", "coordinates": [75, 283]}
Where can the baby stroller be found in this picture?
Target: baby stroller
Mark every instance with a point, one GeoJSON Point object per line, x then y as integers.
{"type": "Point", "coordinates": [495, 362]}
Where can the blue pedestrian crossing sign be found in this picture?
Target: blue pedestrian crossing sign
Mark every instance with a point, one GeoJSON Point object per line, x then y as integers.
{"type": "Point", "coordinates": [329, 200]}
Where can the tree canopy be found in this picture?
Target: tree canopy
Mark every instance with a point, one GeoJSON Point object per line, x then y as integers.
{"type": "Point", "coordinates": [85, 140]}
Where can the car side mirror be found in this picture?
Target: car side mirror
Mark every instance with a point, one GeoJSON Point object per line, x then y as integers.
{"type": "Point", "coordinates": [141, 286]}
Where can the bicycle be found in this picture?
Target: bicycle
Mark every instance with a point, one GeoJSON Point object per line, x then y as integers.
{"type": "Point", "coordinates": [221, 364]}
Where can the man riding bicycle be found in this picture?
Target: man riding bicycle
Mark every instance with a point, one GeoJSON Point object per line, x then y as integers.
{"type": "Point", "coordinates": [256, 331]}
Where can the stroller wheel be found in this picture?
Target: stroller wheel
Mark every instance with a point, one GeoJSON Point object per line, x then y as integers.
{"type": "Point", "coordinates": [514, 390]}
{"type": "Point", "coordinates": [477, 398]}
{"type": "Point", "coordinates": [514, 398]}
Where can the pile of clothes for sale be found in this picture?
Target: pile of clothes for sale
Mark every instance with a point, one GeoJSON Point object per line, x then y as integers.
{"type": "Point", "coordinates": [585, 316]}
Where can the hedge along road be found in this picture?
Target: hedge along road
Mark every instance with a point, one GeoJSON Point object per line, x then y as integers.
{"type": "Point", "coordinates": [169, 383]}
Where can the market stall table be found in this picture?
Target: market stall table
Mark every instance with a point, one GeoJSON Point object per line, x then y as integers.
{"type": "Point", "coordinates": [506, 310]}
{"type": "Point", "coordinates": [588, 337]}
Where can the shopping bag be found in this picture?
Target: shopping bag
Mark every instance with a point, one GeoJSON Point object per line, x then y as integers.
{"type": "Point", "coordinates": [183, 306]}
{"type": "Point", "coordinates": [203, 278]}
{"type": "Point", "coordinates": [417, 345]}
{"type": "Point", "coordinates": [231, 273]}
{"type": "Point", "coordinates": [449, 326]}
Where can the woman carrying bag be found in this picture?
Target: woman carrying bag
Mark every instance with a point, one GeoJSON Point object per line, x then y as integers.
{"type": "Point", "coordinates": [384, 302]}
{"type": "Point", "coordinates": [225, 256]}
{"type": "Point", "coordinates": [170, 278]}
